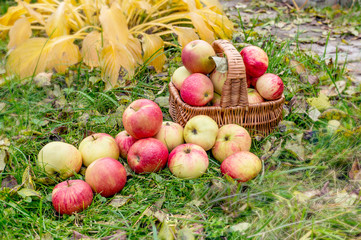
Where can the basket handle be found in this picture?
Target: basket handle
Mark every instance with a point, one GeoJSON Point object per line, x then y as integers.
{"type": "Point", "coordinates": [234, 91]}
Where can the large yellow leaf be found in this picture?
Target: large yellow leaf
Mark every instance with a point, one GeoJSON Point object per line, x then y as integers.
{"type": "Point", "coordinates": [28, 58]}
{"type": "Point", "coordinates": [153, 48]}
{"type": "Point", "coordinates": [135, 50]}
{"type": "Point", "coordinates": [32, 13]}
{"type": "Point", "coordinates": [57, 24]}
{"type": "Point", "coordinates": [110, 66]}
{"type": "Point", "coordinates": [114, 24]}
{"type": "Point", "coordinates": [62, 55]}
{"type": "Point", "coordinates": [215, 5]}
{"type": "Point", "coordinates": [91, 48]}
{"type": "Point", "coordinates": [221, 25]}
{"type": "Point", "coordinates": [13, 14]}
{"type": "Point", "coordinates": [185, 35]}
{"type": "Point", "coordinates": [19, 33]}
{"type": "Point", "coordinates": [202, 27]}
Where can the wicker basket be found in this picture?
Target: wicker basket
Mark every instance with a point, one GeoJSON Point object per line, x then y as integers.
{"type": "Point", "coordinates": [258, 119]}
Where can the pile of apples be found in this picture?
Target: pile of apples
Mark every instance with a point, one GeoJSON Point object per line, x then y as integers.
{"type": "Point", "coordinates": [200, 83]}
{"type": "Point", "coordinates": [148, 144]}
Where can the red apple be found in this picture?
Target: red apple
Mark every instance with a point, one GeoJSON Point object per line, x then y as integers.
{"type": "Point", "coordinates": [98, 145]}
{"type": "Point", "coordinates": [171, 134]}
{"type": "Point", "coordinates": [147, 155]}
{"type": "Point", "coordinates": [106, 176]}
{"type": "Point", "coordinates": [255, 61]}
{"type": "Point", "coordinates": [251, 81]}
{"type": "Point", "coordinates": [242, 166]}
{"type": "Point", "coordinates": [179, 75]}
{"type": "Point", "coordinates": [216, 100]}
{"type": "Point", "coordinates": [188, 161]}
{"type": "Point", "coordinates": [197, 90]}
{"type": "Point", "coordinates": [71, 196]}
{"type": "Point", "coordinates": [253, 96]}
{"type": "Point", "coordinates": [197, 57]}
{"type": "Point", "coordinates": [231, 138]}
{"type": "Point", "coordinates": [143, 118]}
{"type": "Point", "coordinates": [218, 79]}
{"type": "Point", "coordinates": [124, 141]}
{"type": "Point", "coordinates": [270, 86]}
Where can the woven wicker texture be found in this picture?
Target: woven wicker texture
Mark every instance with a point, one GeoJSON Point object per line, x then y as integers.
{"type": "Point", "coordinates": [259, 118]}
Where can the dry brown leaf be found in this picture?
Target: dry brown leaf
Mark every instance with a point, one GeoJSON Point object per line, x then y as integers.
{"type": "Point", "coordinates": [9, 182]}
{"type": "Point", "coordinates": [153, 48]}
{"type": "Point", "coordinates": [19, 33]}
{"type": "Point", "coordinates": [57, 24]}
{"type": "Point", "coordinates": [355, 173]}
{"type": "Point", "coordinates": [91, 49]}
{"type": "Point", "coordinates": [333, 90]}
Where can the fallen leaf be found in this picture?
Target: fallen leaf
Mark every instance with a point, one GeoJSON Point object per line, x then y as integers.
{"type": "Point", "coordinates": [240, 227]}
{"type": "Point", "coordinates": [333, 114]}
{"type": "Point", "coordinates": [305, 196]}
{"type": "Point", "coordinates": [185, 234]}
{"type": "Point", "coordinates": [298, 104]}
{"type": "Point", "coordinates": [221, 64]}
{"type": "Point", "coordinates": [287, 126]}
{"type": "Point", "coordinates": [4, 156]}
{"type": "Point", "coordinates": [333, 125]}
{"type": "Point", "coordinates": [119, 235]}
{"type": "Point", "coordinates": [321, 102]}
{"type": "Point", "coordinates": [296, 149]}
{"type": "Point", "coordinates": [2, 106]}
{"type": "Point", "coordinates": [119, 201]}
{"type": "Point", "coordinates": [354, 173]}
{"type": "Point", "coordinates": [297, 67]}
{"type": "Point", "coordinates": [9, 182]}
{"type": "Point", "coordinates": [43, 79]}
{"type": "Point", "coordinates": [314, 113]}
{"type": "Point", "coordinates": [78, 235]}
{"type": "Point", "coordinates": [334, 90]}
{"type": "Point", "coordinates": [162, 101]}
{"type": "Point", "coordinates": [166, 232]}
{"type": "Point", "coordinates": [27, 192]}
{"type": "Point", "coordinates": [27, 181]}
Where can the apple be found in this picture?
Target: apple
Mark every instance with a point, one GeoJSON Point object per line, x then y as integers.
{"type": "Point", "coordinates": [179, 75]}
{"type": "Point", "coordinates": [124, 141]}
{"type": "Point", "coordinates": [59, 158]}
{"type": "Point", "coordinates": [71, 196]}
{"type": "Point", "coordinates": [216, 100]}
{"type": "Point", "coordinates": [270, 86]}
{"type": "Point", "coordinates": [106, 176]}
{"type": "Point", "coordinates": [231, 138]}
{"type": "Point", "coordinates": [201, 130]}
{"type": "Point", "coordinates": [242, 166]}
{"type": "Point", "coordinates": [218, 79]}
{"type": "Point", "coordinates": [251, 81]}
{"type": "Point", "coordinates": [197, 90]}
{"type": "Point", "coordinates": [98, 145]}
{"type": "Point", "coordinates": [254, 96]}
{"type": "Point", "coordinates": [255, 60]}
{"type": "Point", "coordinates": [197, 57]}
{"type": "Point", "coordinates": [171, 134]}
{"type": "Point", "coordinates": [147, 155]}
{"type": "Point", "coordinates": [188, 161]}
{"type": "Point", "coordinates": [143, 118]}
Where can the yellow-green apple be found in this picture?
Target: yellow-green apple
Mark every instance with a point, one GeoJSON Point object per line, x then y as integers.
{"type": "Point", "coordinates": [254, 96]}
{"type": "Point", "coordinates": [106, 176]}
{"type": "Point", "coordinates": [171, 134]}
{"type": "Point", "coordinates": [98, 145]}
{"type": "Point", "coordinates": [124, 141]}
{"type": "Point", "coordinates": [201, 130]}
{"type": "Point", "coordinates": [216, 100]}
{"type": "Point", "coordinates": [188, 161]}
{"type": "Point", "coordinates": [197, 57]}
{"type": "Point", "coordinates": [147, 155]}
{"type": "Point", "coordinates": [143, 118]}
{"type": "Point", "coordinates": [231, 138]}
{"type": "Point", "coordinates": [60, 159]}
{"type": "Point", "coordinates": [71, 196]}
{"type": "Point", "coordinates": [242, 166]}
{"type": "Point", "coordinates": [218, 79]}
{"type": "Point", "coordinates": [197, 90]}
{"type": "Point", "coordinates": [270, 86]}
{"type": "Point", "coordinates": [179, 75]}
{"type": "Point", "coordinates": [255, 60]}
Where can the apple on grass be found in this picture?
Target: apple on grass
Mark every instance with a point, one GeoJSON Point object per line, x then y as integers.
{"type": "Point", "coordinates": [197, 57]}
{"type": "Point", "coordinates": [255, 60]}
{"type": "Point", "coordinates": [143, 118]}
{"type": "Point", "coordinates": [98, 145]}
{"type": "Point", "coordinates": [188, 161]}
{"type": "Point", "coordinates": [179, 75]}
{"type": "Point", "coordinates": [124, 141]}
{"type": "Point", "coordinates": [60, 159]}
{"type": "Point", "coordinates": [71, 196]}
{"type": "Point", "coordinates": [218, 79]}
{"type": "Point", "coordinates": [241, 166]}
{"type": "Point", "coordinates": [171, 134]}
{"type": "Point", "coordinates": [106, 176]}
{"type": "Point", "coordinates": [147, 155]}
{"type": "Point", "coordinates": [254, 96]}
{"type": "Point", "coordinates": [197, 90]}
{"type": "Point", "coordinates": [270, 86]}
{"type": "Point", "coordinates": [201, 130]}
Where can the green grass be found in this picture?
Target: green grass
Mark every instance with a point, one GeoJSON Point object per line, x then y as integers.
{"type": "Point", "coordinates": [290, 199]}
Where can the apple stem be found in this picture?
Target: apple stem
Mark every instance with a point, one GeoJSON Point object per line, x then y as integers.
{"type": "Point", "coordinates": [93, 137]}
{"type": "Point", "coordinates": [67, 181]}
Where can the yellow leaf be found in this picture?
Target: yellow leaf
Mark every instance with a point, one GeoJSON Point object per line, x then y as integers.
{"type": "Point", "coordinates": [62, 55]}
{"type": "Point", "coordinates": [13, 14]}
{"type": "Point", "coordinates": [321, 102]}
{"type": "Point", "coordinates": [90, 8]}
{"type": "Point", "coordinates": [153, 48]}
{"type": "Point", "coordinates": [135, 49]}
{"type": "Point", "coordinates": [28, 58]}
{"type": "Point", "coordinates": [110, 66]}
{"type": "Point", "coordinates": [202, 27]}
{"type": "Point", "coordinates": [185, 35]}
{"type": "Point", "coordinates": [57, 24]}
{"type": "Point", "coordinates": [221, 25]}
{"type": "Point", "coordinates": [19, 33]}
{"type": "Point", "coordinates": [214, 5]}
{"type": "Point", "coordinates": [91, 48]}
{"type": "Point", "coordinates": [35, 15]}
{"type": "Point", "coordinates": [114, 24]}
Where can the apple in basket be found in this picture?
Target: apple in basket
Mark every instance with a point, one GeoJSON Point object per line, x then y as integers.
{"type": "Point", "coordinates": [197, 90]}
{"type": "Point", "coordinates": [124, 141]}
{"type": "Point", "coordinates": [241, 166]}
{"type": "Point", "coordinates": [179, 75]}
{"type": "Point", "coordinates": [197, 57]}
{"type": "Point", "coordinates": [255, 60]}
{"type": "Point", "coordinates": [231, 138]}
{"type": "Point", "coordinates": [218, 79]}
{"type": "Point", "coordinates": [216, 100]}
{"type": "Point", "coordinates": [251, 81]}
{"type": "Point", "coordinates": [254, 96]}
{"type": "Point", "coordinates": [270, 86]}
{"type": "Point", "coordinates": [171, 134]}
